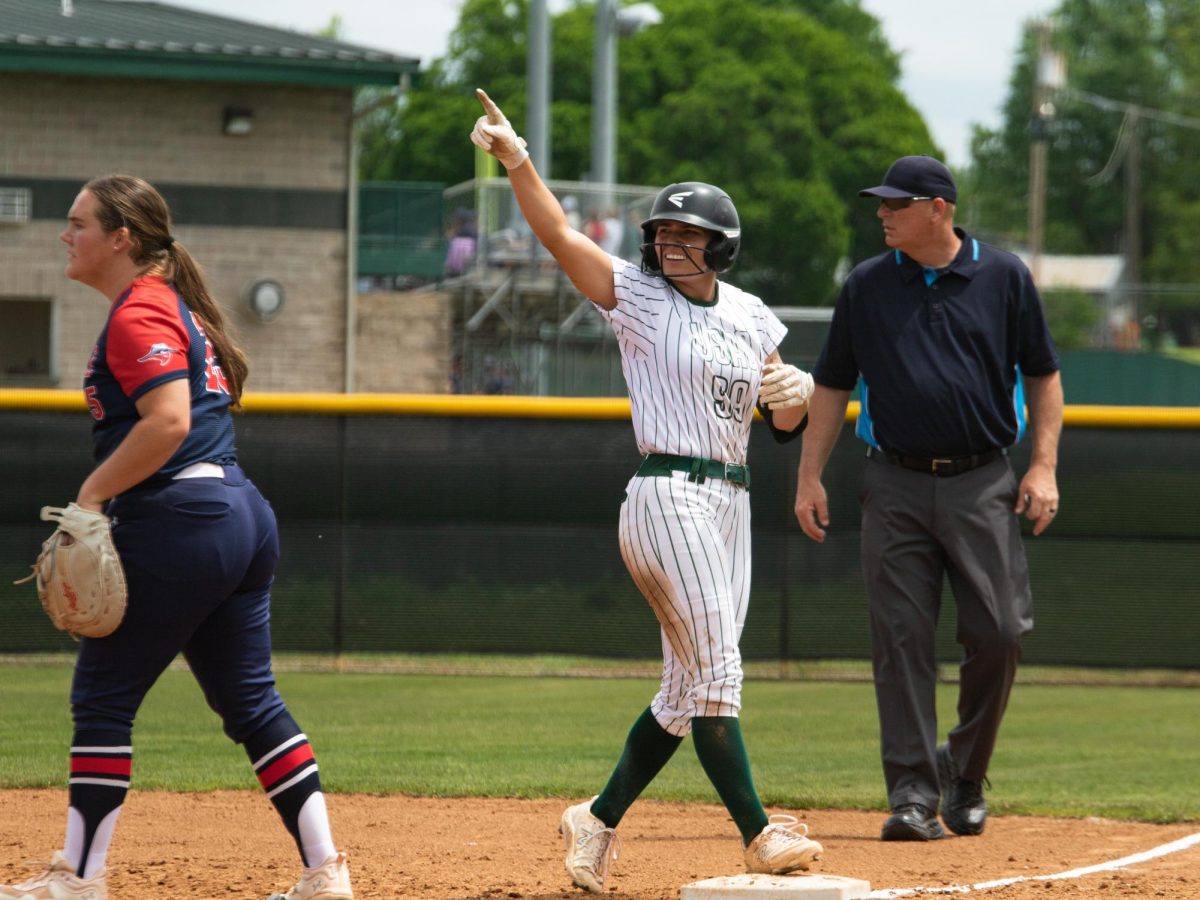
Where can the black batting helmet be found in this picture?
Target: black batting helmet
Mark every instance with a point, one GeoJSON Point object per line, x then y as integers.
{"type": "Point", "coordinates": [695, 203]}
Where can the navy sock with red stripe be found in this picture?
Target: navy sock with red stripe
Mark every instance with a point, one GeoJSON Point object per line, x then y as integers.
{"type": "Point", "coordinates": [101, 766]}
{"type": "Point", "coordinates": [286, 768]}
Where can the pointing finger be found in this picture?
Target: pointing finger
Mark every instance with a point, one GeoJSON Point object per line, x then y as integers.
{"type": "Point", "coordinates": [495, 117]}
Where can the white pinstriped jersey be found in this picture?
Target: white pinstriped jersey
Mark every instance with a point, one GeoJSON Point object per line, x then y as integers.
{"type": "Point", "coordinates": [693, 369]}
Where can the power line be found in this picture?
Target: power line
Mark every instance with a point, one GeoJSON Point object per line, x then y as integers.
{"type": "Point", "coordinates": [1117, 156]}
{"type": "Point", "coordinates": [1147, 112]}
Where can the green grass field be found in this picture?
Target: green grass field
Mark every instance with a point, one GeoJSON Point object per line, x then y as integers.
{"type": "Point", "coordinates": [1118, 749]}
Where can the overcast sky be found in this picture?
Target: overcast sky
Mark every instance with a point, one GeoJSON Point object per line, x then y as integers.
{"type": "Point", "coordinates": [957, 56]}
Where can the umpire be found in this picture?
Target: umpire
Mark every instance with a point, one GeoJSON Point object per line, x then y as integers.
{"type": "Point", "coordinates": [949, 339]}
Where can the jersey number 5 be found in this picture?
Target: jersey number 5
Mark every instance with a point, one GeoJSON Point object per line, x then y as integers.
{"type": "Point", "coordinates": [95, 407]}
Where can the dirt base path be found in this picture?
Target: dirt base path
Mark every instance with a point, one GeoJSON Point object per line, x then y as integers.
{"type": "Point", "coordinates": [229, 845]}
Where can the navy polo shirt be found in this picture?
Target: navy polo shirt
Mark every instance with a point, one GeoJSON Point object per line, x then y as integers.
{"type": "Point", "coordinates": [940, 352]}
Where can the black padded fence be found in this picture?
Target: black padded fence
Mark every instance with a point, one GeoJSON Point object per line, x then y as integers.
{"type": "Point", "coordinates": [443, 526]}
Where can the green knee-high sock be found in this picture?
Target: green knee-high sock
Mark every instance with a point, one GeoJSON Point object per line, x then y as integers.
{"type": "Point", "coordinates": [647, 750]}
{"type": "Point", "coordinates": [722, 753]}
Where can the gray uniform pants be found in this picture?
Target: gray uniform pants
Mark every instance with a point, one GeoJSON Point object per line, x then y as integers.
{"type": "Point", "coordinates": [916, 529]}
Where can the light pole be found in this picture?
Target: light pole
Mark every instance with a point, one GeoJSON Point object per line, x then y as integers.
{"type": "Point", "coordinates": [609, 21]}
{"type": "Point", "coordinates": [537, 68]}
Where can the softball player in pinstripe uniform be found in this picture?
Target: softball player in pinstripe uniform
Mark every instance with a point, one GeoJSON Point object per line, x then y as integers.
{"type": "Point", "coordinates": [196, 539]}
{"type": "Point", "coordinates": [697, 356]}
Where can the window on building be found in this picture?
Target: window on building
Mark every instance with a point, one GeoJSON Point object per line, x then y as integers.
{"type": "Point", "coordinates": [27, 342]}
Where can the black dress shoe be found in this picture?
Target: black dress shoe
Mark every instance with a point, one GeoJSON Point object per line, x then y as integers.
{"type": "Point", "coordinates": [963, 808]}
{"type": "Point", "coordinates": [912, 822]}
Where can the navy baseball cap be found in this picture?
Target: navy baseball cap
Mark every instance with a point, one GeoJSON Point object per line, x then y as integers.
{"type": "Point", "coordinates": [915, 176]}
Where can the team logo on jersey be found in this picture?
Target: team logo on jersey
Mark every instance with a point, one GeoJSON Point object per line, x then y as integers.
{"type": "Point", "coordinates": [677, 199]}
{"type": "Point", "coordinates": [160, 352]}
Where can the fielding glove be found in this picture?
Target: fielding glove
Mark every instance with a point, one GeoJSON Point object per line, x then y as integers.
{"type": "Point", "coordinates": [80, 581]}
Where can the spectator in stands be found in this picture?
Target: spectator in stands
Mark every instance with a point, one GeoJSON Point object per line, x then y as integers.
{"type": "Point", "coordinates": [631, 236]}
{"type": "Point", "coordinates": [460, 249]}
{"type": "Point", "coordinates": [593, 227]}
{"type": "Point", "coordinates": [570, 205]}
{"type": "Point", "coordinates": [498, 376]}
{"type": "Point", "coordinates": [610, 241]}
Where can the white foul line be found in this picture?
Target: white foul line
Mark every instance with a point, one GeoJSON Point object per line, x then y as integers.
{"type": "Point", "coordinates": [1163, 850]}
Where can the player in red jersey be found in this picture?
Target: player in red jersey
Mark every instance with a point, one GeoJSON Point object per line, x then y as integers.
{"type": "Point", "coordinates": [197, 541]}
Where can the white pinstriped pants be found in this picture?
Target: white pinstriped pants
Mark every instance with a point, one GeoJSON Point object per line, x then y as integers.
{"type": "Point", "coordinates": [687, 547]}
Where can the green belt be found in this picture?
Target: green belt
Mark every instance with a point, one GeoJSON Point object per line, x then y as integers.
{"type": "Point", "coordinates": [698, 469]}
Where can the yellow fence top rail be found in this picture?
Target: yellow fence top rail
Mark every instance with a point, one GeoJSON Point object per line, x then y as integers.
{"type": "Point", "coordinates": [460, 405]}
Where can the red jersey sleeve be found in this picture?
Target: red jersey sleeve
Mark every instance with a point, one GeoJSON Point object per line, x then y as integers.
{"type": "Point", "coordinates": [147, 341]}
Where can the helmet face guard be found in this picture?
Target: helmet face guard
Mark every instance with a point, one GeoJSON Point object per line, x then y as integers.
{"type": "Point", "coordinates": [652, 252]}
{"type": "Point", "coordinates": [700, 204]}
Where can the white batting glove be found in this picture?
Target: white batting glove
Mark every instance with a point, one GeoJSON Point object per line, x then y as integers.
{"type": "Point", "coordinates": [784, 385]}
{"type": "Point", "coordinates": [495, 134]}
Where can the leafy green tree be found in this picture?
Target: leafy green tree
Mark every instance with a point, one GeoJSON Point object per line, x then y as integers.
{"type": "Point", "coordinates": [1174, 203]}
{"type": "Point", "coordinates": [333, 28]}
{"type": "Point", "coordinates": [1071, 315]}
{"type": "Point", "coordinates": [790, 105]}
{"type": "Point", "coordinates": [424, 138]}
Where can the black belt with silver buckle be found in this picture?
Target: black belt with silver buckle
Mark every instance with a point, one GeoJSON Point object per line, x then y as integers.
{"type": "Point", "coordinates": [938, 466]}
{"type": "Point", "coordinates": [697, 468]}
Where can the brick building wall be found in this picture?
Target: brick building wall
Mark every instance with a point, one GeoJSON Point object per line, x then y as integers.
{"type": "Point", "coordinates": [60, 131]}
{"type": "Point", "coordinates": [404, 342]}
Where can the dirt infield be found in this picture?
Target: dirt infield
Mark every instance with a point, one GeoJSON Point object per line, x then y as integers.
{"type": "Point", "coordinates": [230, 845]}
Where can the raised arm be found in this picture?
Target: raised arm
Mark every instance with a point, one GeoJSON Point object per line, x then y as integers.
{"type": "Point", "coordinates": [589, 267]}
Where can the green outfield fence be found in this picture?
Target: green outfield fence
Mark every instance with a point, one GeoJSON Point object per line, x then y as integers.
{"type": "Point", "coordinates": [463, 524]}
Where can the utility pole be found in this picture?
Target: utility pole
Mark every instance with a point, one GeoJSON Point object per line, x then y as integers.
{"type": "Point", "coordinates": [1043, 111]}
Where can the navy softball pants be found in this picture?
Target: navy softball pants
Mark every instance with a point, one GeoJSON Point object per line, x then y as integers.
{"type": "Point", "coordinates": [199, 556]}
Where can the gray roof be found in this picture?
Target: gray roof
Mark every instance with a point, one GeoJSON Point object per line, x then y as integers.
{"type": "Point", "coordinates": [146, 39]}
{"type": "Point", "coordinates": [1088, 273]}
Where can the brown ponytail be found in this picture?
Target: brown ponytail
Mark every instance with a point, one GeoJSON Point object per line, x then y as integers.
{"type": "Point", "coordinates": [125, 201]}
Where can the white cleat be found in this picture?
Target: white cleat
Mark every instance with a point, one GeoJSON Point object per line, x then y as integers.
{"type": "Point", "coordinates": [328, 881]}
{"type": "Point", "coordinates": [590, 845]}
{"type": "Point", "coordinates": [782, 847]}
{"type": "Point", "coordinates": [58, 882]}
